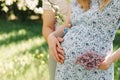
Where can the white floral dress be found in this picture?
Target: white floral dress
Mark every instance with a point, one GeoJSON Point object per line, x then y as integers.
{"type": "Point", "coordinates": [91, 30]}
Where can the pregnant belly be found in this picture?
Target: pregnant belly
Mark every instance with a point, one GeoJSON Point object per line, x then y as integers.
{"type": "Point", "coordinates": [76, 44]}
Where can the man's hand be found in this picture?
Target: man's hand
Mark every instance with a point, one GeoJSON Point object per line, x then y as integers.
{"type": "Point", "coordinates": [55, 48]}
{"type": "Point", "coordinates": [60, 50]}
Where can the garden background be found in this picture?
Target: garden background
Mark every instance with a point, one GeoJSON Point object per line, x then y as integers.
{"type": "Point", "coordinates": [23, 50]}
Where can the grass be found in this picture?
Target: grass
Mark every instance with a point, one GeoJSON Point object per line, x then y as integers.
{"type": "Point", "coordinates": [24, 52]}
{"type": "Point", "coordinates": [116, 44]}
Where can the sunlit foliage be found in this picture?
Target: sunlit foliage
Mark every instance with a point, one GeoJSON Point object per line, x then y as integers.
{"type": "Point", "coordinates": [34, 5]}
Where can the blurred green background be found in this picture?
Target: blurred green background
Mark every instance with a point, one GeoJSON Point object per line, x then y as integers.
{"type": "Point", "coordinates": [23, 50]}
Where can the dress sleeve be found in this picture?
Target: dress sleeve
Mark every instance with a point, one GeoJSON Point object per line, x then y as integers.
{"type": "Point", "coordinates": [118, 11]}
{"type": "Point", "coordinates": [117, 6]}
{"type": "Point", "coordinates": [112, 11]}
{"type": "Point", "coordinates": [46, 5]}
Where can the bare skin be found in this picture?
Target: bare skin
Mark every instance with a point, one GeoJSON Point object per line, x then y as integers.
{"type": "Point", "coordinates": [48, 28]}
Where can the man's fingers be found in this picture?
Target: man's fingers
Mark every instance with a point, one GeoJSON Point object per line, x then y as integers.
{"type": "Point", "coordinates": [60, 51]}
{"type": "Point", "coordinates": [56, 58]}
{"type": "Point", "coordinates": [56, 55]}
{"type": "Point", "coordinates": [60, 39]}
{"type": "Point", "coordinates": [58, 45]}
{"type": "Point", "coordinates": [61, 56]}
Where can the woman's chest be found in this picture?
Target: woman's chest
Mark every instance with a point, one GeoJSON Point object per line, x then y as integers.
{"type": "Point", "coordinates": [94, 17]}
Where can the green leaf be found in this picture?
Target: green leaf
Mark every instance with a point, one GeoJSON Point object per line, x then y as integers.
{"type": "Point", "coordinates": [68, 1]}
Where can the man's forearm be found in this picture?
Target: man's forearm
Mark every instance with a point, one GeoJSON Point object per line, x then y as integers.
{"type": "Point", "coordinates": [46, 31]}
{"type": "Point", "coordinates": [59, 32]}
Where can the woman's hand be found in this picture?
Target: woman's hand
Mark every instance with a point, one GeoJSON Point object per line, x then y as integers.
{"type": "Point", "coordinates": [106, 63]}
{"type": "Point", "coordinates": [55, 48]}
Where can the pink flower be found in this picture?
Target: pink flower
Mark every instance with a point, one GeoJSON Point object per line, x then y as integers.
{"type": "Point", "coordinates": [90, 60]}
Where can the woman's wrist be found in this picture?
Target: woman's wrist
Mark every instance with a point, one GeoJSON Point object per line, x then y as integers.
{"type": "Point", "coordinates": [115, 56]}
{"type": "Point", "coordinates": [110, 60]}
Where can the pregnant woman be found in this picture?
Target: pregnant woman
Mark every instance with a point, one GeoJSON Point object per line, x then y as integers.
{"type": "Point", "coordinates": [94, 25]}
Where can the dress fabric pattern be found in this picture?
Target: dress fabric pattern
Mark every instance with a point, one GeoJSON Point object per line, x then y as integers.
{"type": "Point", "coordinates": [91, 30]}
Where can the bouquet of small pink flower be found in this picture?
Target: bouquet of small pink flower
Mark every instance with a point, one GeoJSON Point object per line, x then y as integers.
{"type": "Point", "coordinates": [90, 60]}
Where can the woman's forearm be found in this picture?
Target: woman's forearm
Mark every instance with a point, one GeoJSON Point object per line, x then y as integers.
{"type": "Point", "coordinates": [116, 55]}
{"type": "Point", "coordinates": [109, 60]}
